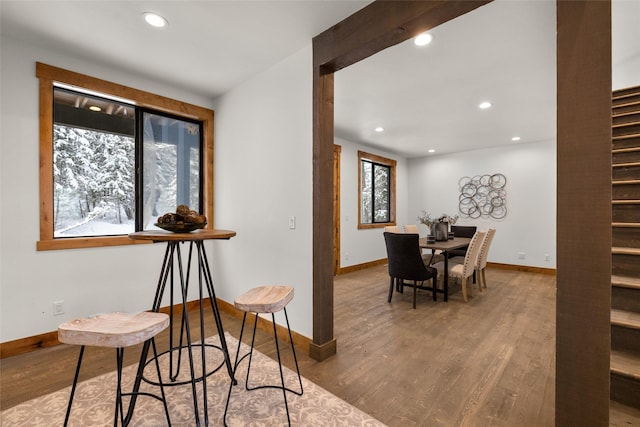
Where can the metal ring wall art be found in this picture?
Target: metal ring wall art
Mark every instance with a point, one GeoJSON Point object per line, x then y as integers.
{"type": "Point", "coordinates": [483, 196]}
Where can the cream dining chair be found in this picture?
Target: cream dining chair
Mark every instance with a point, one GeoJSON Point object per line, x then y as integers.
{"type": "Point", "coordinates": [392, 229]}
{"type": "Point", "coordinates": [464, 271]}
{"type": "Point", "coordinates": [411, 228]}
{"type": "Point", "coordinates": [481, 263]}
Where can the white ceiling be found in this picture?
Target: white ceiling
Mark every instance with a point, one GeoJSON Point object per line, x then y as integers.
{"type": "Point", "coordinates": [425, 98]}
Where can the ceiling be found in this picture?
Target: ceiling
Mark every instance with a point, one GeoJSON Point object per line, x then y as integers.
{"type": "Point", "coordinates": [425, 98]}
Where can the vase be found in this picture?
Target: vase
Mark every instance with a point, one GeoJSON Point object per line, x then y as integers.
{"type": "Point", "coordinates": [441, 231]}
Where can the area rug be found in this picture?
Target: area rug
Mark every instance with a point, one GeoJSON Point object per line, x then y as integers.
{"type": "Point", "coordinates": [94, 401]}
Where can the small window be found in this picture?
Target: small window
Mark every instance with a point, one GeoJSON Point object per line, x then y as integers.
{"type": "Point", "coordinates": [113, 159]}
{"type": "Point", "coordinates": [377, 190]}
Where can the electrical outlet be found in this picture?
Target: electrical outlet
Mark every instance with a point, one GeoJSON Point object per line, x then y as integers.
{"type": "Point", "coordinates": [58, 308]}
{"type": "Point", "coordinates": [547, 257]}
{"type": "Point", "coordinates": [522, 255]}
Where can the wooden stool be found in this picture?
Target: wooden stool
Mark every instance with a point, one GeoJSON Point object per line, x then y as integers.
{"type": "Point", "coordinates": [116, 330]}
{"type": "Point", "coordinates": [265, 299]}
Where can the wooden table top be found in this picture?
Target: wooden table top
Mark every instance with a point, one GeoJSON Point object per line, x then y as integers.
{"type": "Point", "coordinates": [168, 236]}
{"type": "Point", "coordinates": [445, 245]}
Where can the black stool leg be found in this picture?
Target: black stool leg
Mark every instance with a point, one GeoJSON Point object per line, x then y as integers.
{"type": "Point", "coordinates": [235, 367]}
{"type": "Point", "coordinates": [119, 357]}
{"type": "Point", "coordinates": [73, 387]}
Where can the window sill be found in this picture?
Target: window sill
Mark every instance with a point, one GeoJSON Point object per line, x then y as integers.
{"type": "Point", "coordinates": [85, 242]}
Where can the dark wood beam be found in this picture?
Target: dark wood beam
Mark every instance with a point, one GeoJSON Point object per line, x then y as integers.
{"type": "Point", "coordinates": [583, 303]}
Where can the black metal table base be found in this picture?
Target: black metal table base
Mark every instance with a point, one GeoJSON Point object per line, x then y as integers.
{"type": "Point", "coordinates": [205, 286]}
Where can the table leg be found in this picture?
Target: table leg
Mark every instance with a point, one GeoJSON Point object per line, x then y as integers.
{"type": "Point", "coordinates": [446, 276]}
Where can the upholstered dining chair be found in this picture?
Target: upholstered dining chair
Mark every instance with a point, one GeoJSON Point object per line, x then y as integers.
{"type": "Point", "coordinates": [392, 229]}
{"type": "Point", "coordinates": [481, 263]}
{"type": "Point", "coordinates": [406, 263]}
{"type": "Point", "coordinates": [464, 271]}
{"type": "Point", "coordinates": [411, 228]}
{"type": "Point", "coordinates": [462, 231]}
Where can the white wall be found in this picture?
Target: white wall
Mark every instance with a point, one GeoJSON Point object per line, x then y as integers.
{"type": "Point", "coordinates": [530, 224]}
{"type": "Point", "coordinates": [361, 246]}
{"type": "Point", "coordinates": [262, 175]}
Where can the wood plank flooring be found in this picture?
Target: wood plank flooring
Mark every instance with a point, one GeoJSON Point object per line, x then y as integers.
{"type": "Point", "coordinates": [488, 362]}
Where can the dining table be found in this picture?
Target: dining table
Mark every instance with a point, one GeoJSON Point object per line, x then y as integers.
{"type": "Point", "coordinates": [177, 267]}
{"type": "Point", "coordinates": [444, 246]}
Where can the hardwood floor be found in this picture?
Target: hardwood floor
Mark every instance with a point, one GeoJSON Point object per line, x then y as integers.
{"type": "Point", "coordinates": [488, 362]}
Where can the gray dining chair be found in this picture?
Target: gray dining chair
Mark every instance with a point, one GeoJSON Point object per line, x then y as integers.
{"type": "Point", "coordinates": [406, 263]}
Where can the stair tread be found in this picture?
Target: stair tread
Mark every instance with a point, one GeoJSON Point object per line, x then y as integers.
{"type": "Point", "coordinates": [623, 415]}
{"type": "Point", "coordinates": [628, 136]}
{"type": "Point", "coordinates": [625, 251]}
{"type": "Point", "coordinates": [626, 202]}
{"type": "Point", "coordinates": [625, 150]}
{"type": "Point", "coordinates": [626, 181]}
{"type": "Point", "coordinates": [625, 282]}
{"type": "Point", "coordinates": [628, 319]}
{"type": "Point", "coordinates": [625, 124]}
{"type": "Point", "coordinates": [626, 224]}
{"type": "Point", "coordinates": [625, 363]}
{"type": "Point", "coordinates": [625, 165]}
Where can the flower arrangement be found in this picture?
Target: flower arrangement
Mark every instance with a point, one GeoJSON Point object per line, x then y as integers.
{"type": "Point", "coordinates": [426, 219]}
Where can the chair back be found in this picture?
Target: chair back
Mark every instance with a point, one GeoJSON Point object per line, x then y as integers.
{"type": "Point", "coordinates": [411, 228]}
{"type": "Point", "coordinates": [405, 258]}
{"type": "Point", "coordinates": [464, 230]}
{"type": "Point", "coordinates": [471, 258]}
{"type": "Point", "coordinates": [484, 249]}
{"type": "Point", "coordinates": [392, 229]}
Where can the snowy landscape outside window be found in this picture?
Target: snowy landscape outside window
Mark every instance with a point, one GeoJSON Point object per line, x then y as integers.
{"type": "Point", "coordinates": [97, 191]}
{"type": "Point", "coordinates": [377, 190]}
{"type": "Point", "coordinates": [104, 172]}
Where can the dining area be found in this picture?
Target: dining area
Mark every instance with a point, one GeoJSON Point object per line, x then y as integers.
{"type": "Point", "coordinates": [432, 262]}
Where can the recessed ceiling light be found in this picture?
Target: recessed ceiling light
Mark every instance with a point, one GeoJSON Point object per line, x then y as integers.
{"type": "Point", "coordinates": [515, 138]}
{"type": "Point", "coordinates": [154, 19]}
{"type": "Point", "coordinates": [379, 129]}
{"type": "Point", "coordinates": [423, 39]}
{"type": "Point", "coordinates": [484, 105]}
{"type": "Point", "coordinates": [432, 151]}
{"type": "Point", "coordinates": [95, 108]}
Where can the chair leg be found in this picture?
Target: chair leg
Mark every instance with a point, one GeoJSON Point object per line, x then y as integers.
{"type": "Point", "coordinates": [484, 279]}
{"type": "Point", "coordinates": [73, 387]}
{"type": "Point", "coordinates": [470, 286]}
{"type": "Point", "coordinates": [415, 292]}
{"type": "Point", "coordinates": [463, 282]}
{"type": "Point", "coordinates": [391, 283]}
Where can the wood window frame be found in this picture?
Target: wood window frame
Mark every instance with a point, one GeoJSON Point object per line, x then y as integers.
{"type": "Point", "coordinates": [47, 76]}
{"type": "Point", "coordinates": [362, 155]}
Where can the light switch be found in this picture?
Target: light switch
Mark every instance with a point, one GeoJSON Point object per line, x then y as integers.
{"type": "Point", "coordinates": [292, 222]}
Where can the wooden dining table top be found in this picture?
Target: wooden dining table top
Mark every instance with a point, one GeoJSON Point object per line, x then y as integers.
{"type": "Point", "coordinates": [168, 236]}
{"type": "Point", "coordinates": [445, 245]}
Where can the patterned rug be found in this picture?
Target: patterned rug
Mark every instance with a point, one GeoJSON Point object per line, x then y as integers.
{"type": "Point", "coordinates": [94, 400]}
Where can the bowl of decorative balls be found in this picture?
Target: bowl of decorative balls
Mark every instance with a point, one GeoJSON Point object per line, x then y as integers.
{"type": "Point", "coordinates": [183, 220]}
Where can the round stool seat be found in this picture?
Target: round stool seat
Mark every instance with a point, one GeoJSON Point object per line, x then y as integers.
{"type": "Point", "coordinates": [117, 330]}
{"type": "Point", "coordinates": [264, 299]}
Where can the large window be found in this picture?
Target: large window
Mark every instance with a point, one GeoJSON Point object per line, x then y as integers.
{"type": "Point", "coordinates": [113, 158]}
{"type": "Point", "coordinates": [376, 177]}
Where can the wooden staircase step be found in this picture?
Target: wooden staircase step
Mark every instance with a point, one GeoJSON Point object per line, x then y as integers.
{"type": "Point", "coordinates": [626, 224]}
{"type": "Point", "coordinates": [625, 182]}
{"type": "Point", "coordinates": [625, 251]}
{"type": "Point", "coordinates": [625, 165]}
{"type": "Point", "coordinates": [625, 124]}
{"type": "Point", "coordinates": [625, 282]}
{"type": "Point", "coordinates": [625, 150]}
{"type": "Point", "coordinates": [626, 319]}
{"type": "Point", "coordinates": [625, 202]}
{"type": "Point", "coordinates": [626, 136]}
{"type": "Point", "coordinates": [625, 364]}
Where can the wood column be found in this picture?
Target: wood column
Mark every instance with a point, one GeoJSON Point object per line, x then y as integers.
{"type": "Point", "coordinates": [584, 213]}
